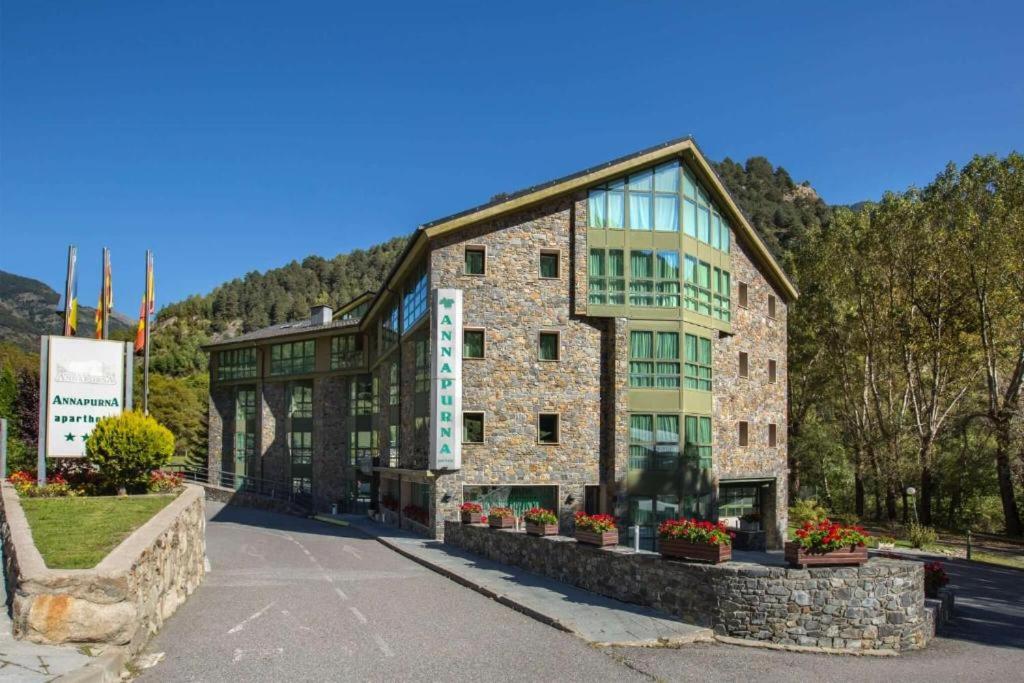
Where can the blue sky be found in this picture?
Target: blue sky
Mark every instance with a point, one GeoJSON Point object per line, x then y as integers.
{"type": "Point", "coordinates": [237, 136]}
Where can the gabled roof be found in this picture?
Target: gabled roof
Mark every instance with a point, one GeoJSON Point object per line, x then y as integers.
{"type": "Point", "coordinates": [302, 327]}
{"type": "Point", "coordinates": [682, 147]}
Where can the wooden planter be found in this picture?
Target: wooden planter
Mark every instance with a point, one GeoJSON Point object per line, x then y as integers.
{"type": "Point", "coordinates": [541, 529]}
{"type": "Point", "coordinates": [797, 557]}
{"type": "Point", "coordinates": [501, 522]}
{"type": "Point", "coordinates": [471, 517]}
{"type": "Point", "coordinates": [598, 538]}
{"type": "Point", "coordinates": [677, 548]}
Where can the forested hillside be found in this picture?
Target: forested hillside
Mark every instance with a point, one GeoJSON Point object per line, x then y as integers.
{"type": "Point", "coordinates": [28, 308]}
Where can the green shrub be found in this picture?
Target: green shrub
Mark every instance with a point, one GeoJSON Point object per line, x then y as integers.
{"type": "Point", "coordinates": [126, 448]}
{"type": "Point", "coordinates": [921, 536]}
{"type": "Point", "coordinates": [807, 510]}
{"type": "Point", "coordinates": [846, 518]}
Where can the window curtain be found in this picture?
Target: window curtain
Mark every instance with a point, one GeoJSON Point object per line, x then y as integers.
{"type": "Point", "coordinates": [666, 212]}
{"type": "Point", "coordinates": [668, 345]}
{"type": "Point", "coordinates": [666, 178]}
{"type": "Point", "coordinates": [596, 263]}
{"type": "Point", "coordinates": [702, 224]}
{"type": "Point", "coordinates": [641, 428]}
{"type": "Point", "coordinates": [597, 210]}
{"type": "Point", "coordinates": [690, 218]}
{"type": "Point", "coordinates": [689, 184]}
{"type": "Point", "coordinates": [640, 264]}
{"type": "Point", "coordinates": [668, 265]}
{"type": "Point", "coordinates": [640, 210]}
{"type": "Point", "coordinates": [616, 263]}
{"type": "Point", "coordinates": [616, 205]}
{"type": "Point", "coordinates": [668, 429]}
{"type": "Point", "coordinates": [704, 351]}
{"type": "Point", "coordinates": [691, 348]}
{"type": "Point", "coordinates": [641, 345]}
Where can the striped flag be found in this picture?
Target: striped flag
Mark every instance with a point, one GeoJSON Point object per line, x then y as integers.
{"type": "Point", "coordinates": [71, 310]}
{"type": "Point", "coordinates": [106, 300]}
{"type": "Point", "coordinates": [147, 308]}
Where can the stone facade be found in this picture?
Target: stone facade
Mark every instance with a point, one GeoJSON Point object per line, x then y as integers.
{"type": "Point", "coordinates": [513, 304]}
{"type": "Point", "coordinates": [126, 598]}
{"type": "Point", "coordinates": [877, 606]}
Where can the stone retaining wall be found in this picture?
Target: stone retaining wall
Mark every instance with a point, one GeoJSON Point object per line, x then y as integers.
{"type": "Point", "coordinates": [877, 606]}
{"type": "Point", "coordinates": [124, 599]}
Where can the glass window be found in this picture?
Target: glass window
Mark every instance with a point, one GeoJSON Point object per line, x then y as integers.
{"type": "Point", "coordinates": [721, 286]}
{"type": "Point", "coordinates": [389, 328]}
{"type": "Point", "coordinates": [472, 343]}
{"type": "Point", "coordinates": [698, 363]}
{"type": "Point", "coordinates": [667, 284]}
{"type": "Point", "coordinates": [640, 198]}
{"type": "Point", "coordinates": [475, 260]}
{"type": "Point", "coordinates": [607, 277]}
{"type": "Point", "coordinates": [547, 428]}
{"type": "Point", "coordinates": [472, 427]}
{"type": "Point", "coordinates": [394, 395]}
{"type": "Point", "coordinates": [698, 285]}
{"type": "Point", "coordinates": [736, 501]}
{"type": "Point", "coordinates": [414, 301]}
{"type": "Point", "coordinates": [698, 440]}
{"type": "Point", "coordinates": [346, 352]}
{"type": "Point", "coordinates": [363, 397]}
{"type": "Point", "coordinates": [293, 358]}
{"type": "Point", "coordinates": [653, 442]}
{"type": "Point", "coordinates": [548, 344]}
{"type": "Point", "coordinates": [549, 264]}
{"type": "Point", "coordinates": [654, 360]}
{"type": "Point", "coordinates": [236, 364]}
{"type": "Point", "coordinates": [641, 278]}
{"type": "Point", "coordinates": [422, 380]}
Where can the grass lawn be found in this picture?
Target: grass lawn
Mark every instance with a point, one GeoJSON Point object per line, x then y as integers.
{"type": "Point", "coordinates": [76, 533]}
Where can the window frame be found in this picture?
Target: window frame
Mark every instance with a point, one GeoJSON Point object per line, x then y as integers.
{"type": "Point", "coordinates": [743, 365]}
{"type": "Point", "coordinates": [483, 342]}
{"type": "Point", "coordinates": [558, 428]}
{"type": "Point", "coordinates": [772, 304]}
{"type": "Point", "coordinates": [773, 435]}
{"type": "Point", "coordinates": [291, 370]}
{"type": "Point", "coordinates": [742, 294]}
{"type": "Point", "coordinates": [483, 427]}
{"type": "Point", "coordinates": [697, 379]}
{"type": "Point", "coordinates": [557, 253]}
{"type": "Point", "coordinates": [466, 249]}
{"type": "Point", "coordinates": [773, 371]}
{"type": "Point", "coordinates": [558, 345]}
{"type": "Point", "coordinates": [336, 354]}
{"type": "Point", "coordinates": [657, 378]}
{"type": "Point", "coordinates": [743, 434]}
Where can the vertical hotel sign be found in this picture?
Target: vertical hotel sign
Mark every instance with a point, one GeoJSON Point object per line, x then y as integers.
{"type": "Point", "coordinates": [446, 380]}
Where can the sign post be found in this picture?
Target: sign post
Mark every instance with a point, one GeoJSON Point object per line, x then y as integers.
{"type": "Point", "coordinates": [3, 448]}
{"type": "Point", "coordinates": [81, 381]}
{"type": "Point", "coordinates": [446, 380]}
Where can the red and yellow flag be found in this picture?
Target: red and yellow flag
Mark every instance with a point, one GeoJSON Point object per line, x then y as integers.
{"type": "Point", "coordinates": [147, 308]}
{"type": "Point", "coordinates": [106, 300]}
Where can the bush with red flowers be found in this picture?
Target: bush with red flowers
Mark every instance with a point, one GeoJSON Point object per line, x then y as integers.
{"type": "Point", "coordinates": [826, 536]}
{"type": "Point", "coordinates": [165, 482]}
{"type": "Point", "coordinates": [539, 516]}
{"type": "Point", "coordinates": [416, 514]}
{"type": "Point", "coordinates": [696, 531]}
{"type": "Point", "coordinates": [25, 484]}
{"type": "Point", "coordinates": [597, 523]}
{"type": "Point", "coordinates": [471, 507]}
{"type": "Point", "coordinates": [935, 577]}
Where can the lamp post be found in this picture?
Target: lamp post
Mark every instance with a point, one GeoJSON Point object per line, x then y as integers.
{"type": "Point", "coordinates": [911, 492]}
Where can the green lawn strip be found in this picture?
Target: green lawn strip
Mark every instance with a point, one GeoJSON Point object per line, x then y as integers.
{"type": "Point", "coordinates": [76, 533]}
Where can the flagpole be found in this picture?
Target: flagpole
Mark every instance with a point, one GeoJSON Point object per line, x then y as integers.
{"type": "Point", "coordinates": [67, 290]}
{"type": "Point", "coordinates": [105, 293]}
{"type": "Point", "coordinates": [145, 357]}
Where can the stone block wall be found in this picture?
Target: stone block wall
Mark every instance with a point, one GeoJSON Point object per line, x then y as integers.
{"type": "Point", "coordinates": [513, 304]}
{"type": "Point", "coordinates": [877, 606]}
{"type": "Point", "coordinates": [126, 598]}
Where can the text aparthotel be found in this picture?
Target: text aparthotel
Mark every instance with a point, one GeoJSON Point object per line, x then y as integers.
{"type": "Point", "coordinates": [613, 341]}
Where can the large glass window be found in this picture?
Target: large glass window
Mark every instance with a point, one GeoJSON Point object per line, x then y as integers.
{"type": "Point", "coordinates": [414, 301]}
{"type": "Point", "coordinates": [236, 364]}
{"type": "Point", "coordinates": [701, 218]}
{"type": "Point", "coordinates": [346, 352]}
{"type": "Point", "coordinates": [721, 287]}
{"type": "Point", "coordinates": [647, 200]}
{"type": "Point", "coordinates": [472, 343]}
{"type": "Point", "coordinates": [654, 360]}
{"type": "Point", "coordinates": [394, 397]}
{"type": "Point", "coordinates": [245, 432]}
{"type": "Point", "coordinates": [293, 358]}
{"type": "Point", "coordinates": [653, 442]}
{"type": "Point", "coordinates": [300, 434]}
{"type": "Point", "coordinates": [698, 363]}
{"type": "Point", "coordinates": [389, 328]}
{"type": "Point", "coordinates": [698, 285]}
{"type": "Point", "coordinates": [736, 501]}
{"type": "Point", "coordinates": [698, 440]}
{"type": "Point", "coordinates": [422, 379]}
{"type": "Point", "coordinates": [607, 277]}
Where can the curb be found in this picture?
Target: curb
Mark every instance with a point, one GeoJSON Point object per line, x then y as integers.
{"type": "Point", "coordinates": [105, 668]}
{"type": "Point", "coordinates": [807, 649]}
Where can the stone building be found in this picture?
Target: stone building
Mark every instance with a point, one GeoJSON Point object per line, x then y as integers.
{"type": "Point", "coordinates": [623, 350]}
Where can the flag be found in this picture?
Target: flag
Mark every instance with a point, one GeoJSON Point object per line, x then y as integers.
{"type": "Point", "coordinates": [147, 309]}
{"type": "Point", "coordinates": [106, 300]}
{"type": "Point", "coordinates": [72, 307]}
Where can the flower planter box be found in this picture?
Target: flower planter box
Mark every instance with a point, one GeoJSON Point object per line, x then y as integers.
{"type": "Point", "coordinates": [677, 548]}
{"type": "Point", "coordinates": [541, 529]}
{"type": "Point", "coordinates": [886, 546]}
{"type": "Point", "coordinates": [501, 522]}
{"type": "Point", "coordinates": [798, 557]}
{"type": "Point", "coordinates": [471, 517]}
{"type": "Point", "coordinates": [598, 538]}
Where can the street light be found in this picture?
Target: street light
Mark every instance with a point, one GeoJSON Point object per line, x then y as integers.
{"type": "Point", "coordinates": [911, 491]}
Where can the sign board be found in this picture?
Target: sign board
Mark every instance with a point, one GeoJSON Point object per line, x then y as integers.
{"type": "Point", "coordinates": [81, 381]}
{"type": "Point", "coordinates": [446, 380]}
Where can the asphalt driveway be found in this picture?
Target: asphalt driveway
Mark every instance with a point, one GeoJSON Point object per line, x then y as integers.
{"type": "Point", "coordinates": [291, 599]}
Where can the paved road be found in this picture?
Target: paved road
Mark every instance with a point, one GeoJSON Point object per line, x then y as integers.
{"type": "Point", "coordinates": [290, 599]}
